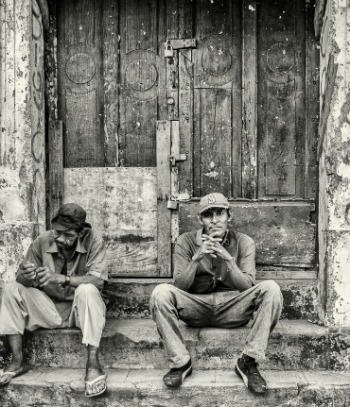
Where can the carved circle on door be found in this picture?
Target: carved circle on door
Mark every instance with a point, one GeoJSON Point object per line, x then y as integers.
{"type": "Point", "coordinates": [216, 60]}
{"type": "Point", "coordinates": [141, 74]}
{"type": "Point", "coordinates": [80, 68]}
{"type": "Point", "coordinates": [280, 57]}
{"type": "Point", "coordinates": [215, 55]}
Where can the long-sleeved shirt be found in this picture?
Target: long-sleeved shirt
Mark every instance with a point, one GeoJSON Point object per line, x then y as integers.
{"type": "Point", "coordinates": [89, 258]}
{"type": "Point", "coordinates": [213, 274]}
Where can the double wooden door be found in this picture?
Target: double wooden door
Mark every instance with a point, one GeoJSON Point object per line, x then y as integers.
{"type": "Point", "coordinates": [165, 101]}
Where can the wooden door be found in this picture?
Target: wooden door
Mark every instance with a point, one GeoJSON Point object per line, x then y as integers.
{"type": "Point", "coordinates": [237, 105]}
{"type": "Point", "coordinates": [109, 75]}
{"type": "Point", "coordinates": [251, 97]}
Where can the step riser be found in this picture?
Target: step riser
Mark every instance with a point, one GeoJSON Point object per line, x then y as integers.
{"type": "Point", "coordinates": [131, 299]}
{"type": "Point", "coordinates": [206, 395]}
{"type": "Point", "coordinates": [119, 351]}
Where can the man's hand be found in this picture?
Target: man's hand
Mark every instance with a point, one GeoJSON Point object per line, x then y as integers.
{"type": "Point", "coordinates": [208, 247]}
{"type": "Point", "coordinates": [28, 271]}
{"type": "Point", "coordinates": [45, 276]}
{"type": "Point", "coordinates": [215, 245]}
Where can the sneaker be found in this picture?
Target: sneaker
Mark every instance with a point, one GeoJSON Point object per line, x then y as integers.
{"type": "Point", "coordinates": [247, 369]}
{"type": "Point", "coordinates": [175, 377]}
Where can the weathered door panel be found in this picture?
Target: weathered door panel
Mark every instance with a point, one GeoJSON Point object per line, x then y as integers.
{"type": "Point", "coordinates": [109, 76]}
{"type": "Point", "coordinates": [253, 139]}
{"type": "Point", "coordinates": [122, 206]}
{"type": "Point", "coordinates": [283, 233]}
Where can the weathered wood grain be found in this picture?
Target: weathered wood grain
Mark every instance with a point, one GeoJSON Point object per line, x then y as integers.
{"type": "Point", "coordinates": [139, 67]}
{"type": "Point", "coordinates": [186, 121]}
{"type": "Point", "coordinates": [283, 233]}
{"type": "Point", "coordinates": [163, 194]}
{"type": "Point", "coordinates": [111, 80]}
{"type": "Point", "coordinates": [276, 99]}
{"type": "Point", "coordinates": [80, 82]}
{"type": "Point", "coordinates": [312, 84]}
{"type": "Point", "coordinates": [250, 96]}
{"type": "Point", "coordinates": [212, 141]}
{"type": "Point", "coordinates": [55, 181]}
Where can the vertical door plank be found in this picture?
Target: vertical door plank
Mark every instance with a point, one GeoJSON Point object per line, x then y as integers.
{"type": "Point", "coordinates": [164, 214]}
{"type": "Point", "coordinates": [249, 131]}
{"type": "Point", "coordinates": [111, 77]}
{"type": "Point", "coordinates": [81, 82]}
{"type": "Point", "coordinates": [186, 121]}
{"type": "Point", "coordinates": [212, 141]}
{"type": "Point", "coordinates": [55, 167]}
{"type": "Point", "coordinates": [139, 64]}
{"type": "Point", "coordinates": [236, 148]}
{"type": "Point", "coordinates": [280, 75]}
{"type": "Point", "coordinates": [217, 65]}
{"type": "Point", "coordinates": [312, 81]}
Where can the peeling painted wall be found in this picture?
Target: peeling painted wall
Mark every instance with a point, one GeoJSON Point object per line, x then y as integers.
{"type": "Point", "coordinates": [22, 166]}
{"type": "Point", "coordinates": [334, 155]}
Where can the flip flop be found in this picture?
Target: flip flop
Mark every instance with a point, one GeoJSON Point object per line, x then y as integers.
{"type": "Point", "coordinates": [88, 386]}
{"type": "Point", "coordinates": [12, 375]}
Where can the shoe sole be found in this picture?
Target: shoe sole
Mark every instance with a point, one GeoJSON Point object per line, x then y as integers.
{"type": "Point", "coordinates": [186, 373]}
{"type": "Point", "coordinates": [242, 375]}
{"type": "Point", "coordinates": [245, 380]}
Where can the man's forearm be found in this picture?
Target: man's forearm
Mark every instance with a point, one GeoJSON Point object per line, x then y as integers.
{"type": "Point", "coordinates": [234, 277]}
{"type": "Point", "coordinates": [75, 281]}
{"type": "Point", "coordinates": [184, 278]}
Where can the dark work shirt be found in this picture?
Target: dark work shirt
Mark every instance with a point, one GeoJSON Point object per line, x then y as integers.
{"type": "Point", "coordinates": [209, 269]}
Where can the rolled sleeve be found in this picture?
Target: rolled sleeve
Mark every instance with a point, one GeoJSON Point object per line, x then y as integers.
{"type": "Point", "coordinates": [96, 264]}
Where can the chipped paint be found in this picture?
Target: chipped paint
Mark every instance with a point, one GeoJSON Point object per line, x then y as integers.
{"type": "Point", "coordinates": [334, 230]}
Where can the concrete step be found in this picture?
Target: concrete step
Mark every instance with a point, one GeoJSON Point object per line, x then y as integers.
{"type": "Point", "coordinates": [215, 388]}
{"type": "Point", "coordinates": [136, 344]}
{"type": "Point", "coordinates": [129, 297]}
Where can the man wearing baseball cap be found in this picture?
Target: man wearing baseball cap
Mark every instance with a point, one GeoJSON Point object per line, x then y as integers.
{"type": "Point", "coordinates": [58, 285]}
{"type": "Point", "coordinates": [214, 285]}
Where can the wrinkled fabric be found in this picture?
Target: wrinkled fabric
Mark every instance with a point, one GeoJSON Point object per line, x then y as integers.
{"type": "Point", "coordinates": [228, 309]}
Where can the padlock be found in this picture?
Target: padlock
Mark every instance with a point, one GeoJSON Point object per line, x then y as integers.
{"type": "Point", "coordinates": [171, 205]}
{"type": "Point", "coordinates": [168, 52]}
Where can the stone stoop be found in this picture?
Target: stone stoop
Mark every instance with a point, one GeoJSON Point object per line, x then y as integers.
{"type": "Point", "coordinates": [136, 344]}
{"type": "Point", "coordinates": [46, 387]}
{"type": "Point", "coordinates": [129, 297]}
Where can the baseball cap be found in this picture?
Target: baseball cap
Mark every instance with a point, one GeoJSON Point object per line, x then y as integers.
{"type": "Point", "coordinates": [68, 215]}
{"type": "Point", "coordinates": [214, 200]}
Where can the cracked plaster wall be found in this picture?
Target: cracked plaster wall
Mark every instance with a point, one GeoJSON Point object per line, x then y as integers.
{"type": "Point", "coordinates": [334, 230]}
{"type": "Point", "coordinates": [22, 130]}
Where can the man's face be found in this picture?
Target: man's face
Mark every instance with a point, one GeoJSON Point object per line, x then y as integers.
{"type": "Point", "coordinates": [215, 221]}
{"type": "Point", "coordinates": [67, 239]}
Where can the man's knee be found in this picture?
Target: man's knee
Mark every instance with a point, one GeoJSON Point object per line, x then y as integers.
{"type": "Point", "coordinates": [161, 295]}
{"type": "Point", "coordinates": [10, 289]}
{"type": "Point", "coordinates": [86, 291]}
{"type": "Point", "coordinates": [272, 289]}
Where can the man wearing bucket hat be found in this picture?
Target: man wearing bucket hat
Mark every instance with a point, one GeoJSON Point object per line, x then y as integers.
{"type": "Point", "coordinates": [58, 285]}
{"type": "Point", "coordinates": [214, 285]}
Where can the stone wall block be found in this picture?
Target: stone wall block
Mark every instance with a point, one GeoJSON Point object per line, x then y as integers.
{"type": "Point", "coordinates": [14, 242]}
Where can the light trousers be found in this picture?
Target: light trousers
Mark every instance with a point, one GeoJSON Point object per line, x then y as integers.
{"type": "Point", "coordinates": [30, 308]}
{"type": "Point", "coordinates": [227, 309]}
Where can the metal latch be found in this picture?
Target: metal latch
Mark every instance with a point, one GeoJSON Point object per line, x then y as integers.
{"type": "Point", "coordinates": [175, 158]}
{"type": "Point", "coordinates": [183, 43]}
